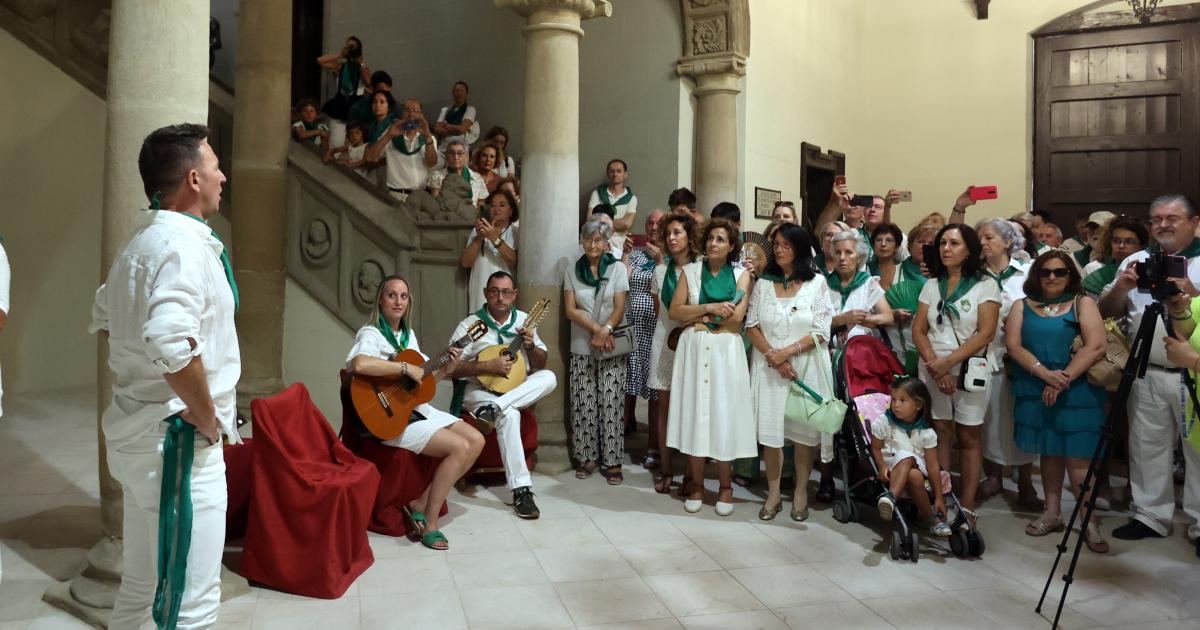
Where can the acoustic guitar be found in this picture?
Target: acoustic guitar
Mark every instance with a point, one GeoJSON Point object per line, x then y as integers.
{"type": "Point", "coordinates": [502, 384]}
{"type": "Point", "coordinates": [385, 404]}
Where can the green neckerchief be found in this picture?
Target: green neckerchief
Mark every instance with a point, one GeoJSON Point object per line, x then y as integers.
{"type": "Point", "coordinates": [583, 271]}
{"type": "Point", "coordinates": [670, 281]}
{"type": "Point", "coordinates": [402, 146]}
{"type": "Point", "coordinates": [310, 126]}
{"type": "Point", "coordinates": [486, 317]}
{"type": "Point", "coordinates": [389, 334]}
{"type": "Point", "coordinates": [819, 263]}
{"type": "Point", "coordinates": [867, 239]}
{"type": "Point", "coordinates": [1191, 251]}
{"type": "Point", "coordinates": [455, 115]}
{"type": "Point", "coordinates": [719, 288]}
{"type": "Point", "coordinates": [466, 173]}
{"type": "Point", "coordinates": [361, 111]}
{"type": "Point", "coordinates": [602, 192]}
{"type": "Point", "coordinates": [1061, 298]}
{"type": "Point", "coordinates": [379, 127]}
{"type": "Point", "coordinates": [1008, 272]}
{"type": "Point", "coordinates": [348, 77]}
{"type": "Point", "coordinates": [835, 284]}
{"type": "Point", "coordinates": [225, 262]}
{"type": "Point", "coordinates": [1083, 256]}
{"type": "Point", "coordinates": [174, 521]}
{"type": "Point", "coordinates": [908, 427]}
{"type": "Point", "coordinates": [947, 304]}
{"type": "Point", "coordinates": [910, 270]}
{"type": "Point", "coordinates": [1095, 282]}
{"type": "Point", "coordinates": [778, 277]}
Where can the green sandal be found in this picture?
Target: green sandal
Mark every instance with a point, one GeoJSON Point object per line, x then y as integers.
{"type": "Point", "coordinates": [431, 539]}
{"type": "Point", "coordinates": [415, 523]}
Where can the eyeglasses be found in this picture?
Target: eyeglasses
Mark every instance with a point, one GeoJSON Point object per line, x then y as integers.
{"type": "Point", "coordinates": [1167, 220]}
{"type": "Point", "coordinates": [1057, 272]}
{"type": "Point", "coordinates": [1125, 242]}
{"type": "Point", "coordinates": [504, 292]}
{"type": "Point", "coordinates": [596, 242]}
{"type": "Point", "coordinates": [456, 153]}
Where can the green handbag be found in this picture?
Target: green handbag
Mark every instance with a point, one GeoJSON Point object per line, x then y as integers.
{"type": "Point", "coordinates": [808, 407]}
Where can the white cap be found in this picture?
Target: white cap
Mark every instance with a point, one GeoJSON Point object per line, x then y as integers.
{"type": "Point", "coordinates": [1101, 218]}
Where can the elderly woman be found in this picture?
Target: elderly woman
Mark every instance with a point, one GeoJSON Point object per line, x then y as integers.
{"type": "Point", "coordinates": [957, 314]}
{"type": "Point", "coordinates": [1121, 237]}
{"type": "Point", "coordinates": [887, 264]}
{"type": "Point", "coordinates": [711, 380]}
{"type": "Point", "coordinates": [640, 311]}
{"type": "Point", "coordinates": [491, 246]}
{"type": "Point", "coordinates": [999, 240]}
{"type": "Point", "coordinates": [823, 260]}
{"type": "Point", "coordinates": [788, 325]}
{"type": "Point", "coordinates": [1059, 414]}
{"type": "Point", "coordinates": [594, 294]}
{"type": "Point", "coordinates": [680, 243]}
{"type": "Point", "coordinates": [857, 297]}
{"type": "Point", "coordinates": [439, 435]}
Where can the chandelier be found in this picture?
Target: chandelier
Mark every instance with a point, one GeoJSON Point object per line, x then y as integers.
{"type": "Point", "coordinates": [1143, 9]}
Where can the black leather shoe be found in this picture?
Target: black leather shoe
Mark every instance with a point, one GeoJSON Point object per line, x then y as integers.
{"type": "Point", "coordinates": [1135, 530]}
{"type": "Point", "coordinates": [523, 503]}
{"type": "Point", "coordinates": [484, 418]}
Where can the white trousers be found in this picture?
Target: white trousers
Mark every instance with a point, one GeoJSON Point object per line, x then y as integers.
{"type": "Point", "coordinates": [508, 424]}
{"type": "Point", "coordinates": [1154, 410]}
{"type": "Point", "coordinates": [138, 467]}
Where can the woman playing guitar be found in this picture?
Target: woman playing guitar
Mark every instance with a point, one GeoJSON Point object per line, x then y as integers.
{"type": "Point", "coordinates": [438, 434]}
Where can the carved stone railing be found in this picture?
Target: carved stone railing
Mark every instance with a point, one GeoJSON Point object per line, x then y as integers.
{"type": "Point", "coordinates": [344, 237]}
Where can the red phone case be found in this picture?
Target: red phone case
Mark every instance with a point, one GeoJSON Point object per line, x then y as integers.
{"type": "Point", "coordinates": [979, 193]}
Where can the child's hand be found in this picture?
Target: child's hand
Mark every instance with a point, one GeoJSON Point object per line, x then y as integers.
{"type": "Point", "coordinates": [885, 473]}
{"type": "Point", "coordinates": [939, 505]}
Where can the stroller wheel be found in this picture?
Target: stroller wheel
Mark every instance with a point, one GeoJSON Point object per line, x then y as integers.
{"type": "Point", "coordinates": [914, 541]}
{"type": "Point", "coordinates": [896, 549]}
{"type": "Point", "coordinates": [855, 516]}
{"type": "Point", "coordinates": [841, 513]}
{"type": "Point", "coordinates": [975, 544]}
{"type": "Point", "coordinates": [958, 544]}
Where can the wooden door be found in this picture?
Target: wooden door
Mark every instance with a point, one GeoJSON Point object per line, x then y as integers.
{"type": "Point", "coordinates": [817, 170]}
{"type": "Point", "coordinates": [1116, 119]}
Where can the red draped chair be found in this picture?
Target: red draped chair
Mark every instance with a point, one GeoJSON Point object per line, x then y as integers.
{"type": "Point", "coordinates": [404, 475]}
{"type": "Point", "coordinates": [489, 460]}
{"type": "Point", "coordinates": [310, 501]}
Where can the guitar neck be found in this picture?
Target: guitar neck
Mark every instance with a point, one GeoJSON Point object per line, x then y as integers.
{"type": "Point", "coordinates": [440, 360]}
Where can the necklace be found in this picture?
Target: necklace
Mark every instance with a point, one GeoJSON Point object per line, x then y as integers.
{"type": "Point", "coordinates": [1051, 309]}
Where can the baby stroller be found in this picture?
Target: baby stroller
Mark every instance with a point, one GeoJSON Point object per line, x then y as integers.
{"type": "Point", "coordinates": [866, 369]}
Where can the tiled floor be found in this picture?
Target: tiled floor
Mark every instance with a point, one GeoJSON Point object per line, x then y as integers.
{"type": "Point", "coordinates": [602, 557]}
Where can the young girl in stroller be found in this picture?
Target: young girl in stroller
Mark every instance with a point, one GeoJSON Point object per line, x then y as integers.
{"type": "Point", "coordinates": [904, 445]}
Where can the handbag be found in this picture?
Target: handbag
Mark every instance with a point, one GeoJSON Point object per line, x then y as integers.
{"type": "Point", "coordinates": [974, 375]}
{"type": "Point", "coordinates": [622, 334]}
{"type": "Point", "coordinates": [809, 408]}
{"type": "Point", "coordinates": [1106, 372]}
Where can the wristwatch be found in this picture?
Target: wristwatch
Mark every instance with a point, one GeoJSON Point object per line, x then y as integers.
{"type": "Point", "coordinates": [497, 243]}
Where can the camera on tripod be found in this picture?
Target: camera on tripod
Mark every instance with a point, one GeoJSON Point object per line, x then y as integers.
{"type": "Point", "coordinates": [1155, 273]}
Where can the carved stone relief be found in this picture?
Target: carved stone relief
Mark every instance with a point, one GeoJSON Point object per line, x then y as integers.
{"type": "Point", "coordinates": [708, 35]}
{"type": "Point", "coordinates": [367, 279]}
{"type": "Point", "coordinates": [318, 243]}
{"type": "Point", "coordinates": [92, 39]}
{"type": "Point", "coordinates": [31, 10]}
{"type": "Point", "coordinates": [703, 4]}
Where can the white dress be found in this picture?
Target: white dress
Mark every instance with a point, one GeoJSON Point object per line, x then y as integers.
{"type": "Point", "coordinates": [899, 445]}
{"type": "Point", "coordinates": [711, 388]}
{"type": "Point", "coordinates": [784, 321]}
{"type": "Point", "coordinates": [864, 297]}
{"type": "Point", "coordinates": [998, 443]}
{"type": "Point", "coordinates": [488, 262]}
{"type": "Point", "coordinates": [370, 342]}
{"type": "Point", "coordinates": [662, 358]}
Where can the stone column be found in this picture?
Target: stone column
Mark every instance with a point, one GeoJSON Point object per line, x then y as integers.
{"type": "Point", "coordinates": [550, 187]}
{"type": "Point", "coordinates": [262, 89]}
{"type": "Point", "coordinates": [157, 76]}
{"type": "Point", "coordinates": [716, 43]}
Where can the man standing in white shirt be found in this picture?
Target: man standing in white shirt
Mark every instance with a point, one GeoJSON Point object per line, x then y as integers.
{"type": "Point", "coordinates": [458, 120]}
{"type": "Point", "coordinates": [616, 194]}
{"type": "Point", "coordinates": [488, 408]}
{"type": "Point", "coordinates": [410, 149]}
{"type": "Point", "coordinates": [167, 309]}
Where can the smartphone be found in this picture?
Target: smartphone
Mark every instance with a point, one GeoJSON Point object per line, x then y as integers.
{"type": "Point", "coordinates": [905, 195]}
{"type": "Point", "coordinates": [930, 252]}
{"type": "Point", "coordinates": [861, 201]}
{"type": "Point", "coordinates": [980, 193]}
{"type": "Point", "coordinates": [640, 240]}
{"type": "Point", "coordinates": [839, 180]}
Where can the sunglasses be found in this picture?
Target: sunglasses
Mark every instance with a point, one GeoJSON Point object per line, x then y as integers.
{"type": "Point", "coordinates": [1059, 272]}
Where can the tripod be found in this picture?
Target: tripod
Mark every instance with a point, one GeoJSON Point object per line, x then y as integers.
{"type": "Point", "coordinates": [1135, 367]}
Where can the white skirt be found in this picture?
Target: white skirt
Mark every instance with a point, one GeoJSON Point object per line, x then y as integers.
{"type": "Point", "coordinates": [998, 443]}
{"type": "Point", "coordinates": [416, 435]}
{"type": "Point", "coordinates": [662, 359]}
{"type": "Point", "coordinates": [710, 413]}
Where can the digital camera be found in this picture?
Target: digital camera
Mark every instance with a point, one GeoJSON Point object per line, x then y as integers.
{"type": "Point", "coordinates": [1155, 273]}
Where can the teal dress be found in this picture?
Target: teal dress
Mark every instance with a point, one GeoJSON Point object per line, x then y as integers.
{"type": "Point", "coordinates": [1071, 427]}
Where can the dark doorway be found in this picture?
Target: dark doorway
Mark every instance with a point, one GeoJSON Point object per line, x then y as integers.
{"type": "Point", "coordinates": [1117, 112]}
{"type": "Point", "coordinates": [308, 28]}
{"type": "Point", "coordinates": [817, 171]}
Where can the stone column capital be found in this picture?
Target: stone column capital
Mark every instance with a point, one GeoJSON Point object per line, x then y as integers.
{"type": "Point", "coordinates": [586, 9]}
{"type": "Point", "coordinates": [714, 73]}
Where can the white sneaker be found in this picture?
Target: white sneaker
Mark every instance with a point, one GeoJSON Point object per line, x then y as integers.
{"type": "Point", "coordinates": [886, 507]}
{"type": "Point", "coordinates": [724, 509]}
{"type": "Point", "coordinates": [692, 505]}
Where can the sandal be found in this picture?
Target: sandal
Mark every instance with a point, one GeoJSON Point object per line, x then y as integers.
{"type": "Point", "coordinates": [662, 484]}
{"type": "Point", "coordinates": [414, 523]}
{"type": "Point", "coordinates": [613, 476]}
{"type": "Point", "coordinates": [1045, 524]}
{"type": "Point", "coordinates": [585, 470]}
{"type": "Point", "coordinates": [433, 538]}
{"type": "Point", "coordinates": [650, 461]}
{"type": "Point", "coordinates": [1094, 539]}
{"type": "Point", "coordinates": [767, 513]}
